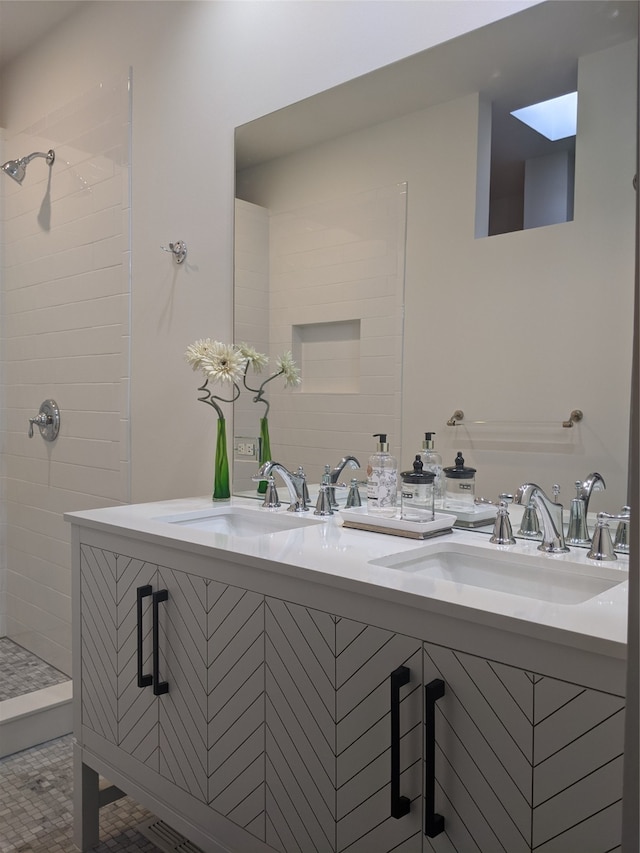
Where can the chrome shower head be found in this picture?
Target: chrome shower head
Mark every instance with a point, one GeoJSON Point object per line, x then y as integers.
{"type": "Point", "coordinates": [17, 169]}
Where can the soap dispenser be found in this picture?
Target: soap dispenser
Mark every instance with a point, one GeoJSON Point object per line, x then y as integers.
{"type": "Point", "coordinates": [432, 461]}
{"type": "Point", "coordinates": [382, 480]}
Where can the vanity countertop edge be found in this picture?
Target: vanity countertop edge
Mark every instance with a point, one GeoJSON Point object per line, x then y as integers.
{"type": "Point", "coordinates": [337, 557]}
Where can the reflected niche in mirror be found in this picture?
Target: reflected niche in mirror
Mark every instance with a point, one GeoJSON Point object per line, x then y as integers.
{"type": "Point", "coordinates": [324, 281]}
{"type": "Point", "coordinates": [516, 329]}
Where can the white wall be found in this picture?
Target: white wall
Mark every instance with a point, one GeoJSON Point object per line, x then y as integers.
{"type": "Point", "coordinates": [199, 70]}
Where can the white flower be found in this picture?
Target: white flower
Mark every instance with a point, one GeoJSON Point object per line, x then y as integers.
{"type": "Point", "coordinates": [256, 359]}
{"type": "Point", "coordinates": [218, 361]}
{"type": "Point", "coordinates": [287, 366]}
{"type": "Point", "coordinates": [197, 351]}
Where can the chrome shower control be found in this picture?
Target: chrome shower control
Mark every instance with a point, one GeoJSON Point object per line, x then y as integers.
{"type": "Point", "coordinates": [47, 420]}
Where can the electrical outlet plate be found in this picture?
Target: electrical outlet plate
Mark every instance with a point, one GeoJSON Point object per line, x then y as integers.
{"type": "Point", "coordinates": [246, 448]}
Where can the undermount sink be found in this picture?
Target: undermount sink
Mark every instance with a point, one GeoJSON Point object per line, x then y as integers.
{"type": "Point", "coordinates": [234, 521]}
{"type": "Point", "coordinates": [543, 577]}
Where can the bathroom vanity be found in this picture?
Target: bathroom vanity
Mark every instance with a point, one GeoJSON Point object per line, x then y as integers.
{"type": "Point", "coordinates": [263, 680]}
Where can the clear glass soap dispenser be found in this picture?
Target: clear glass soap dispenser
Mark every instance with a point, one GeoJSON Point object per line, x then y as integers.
{"type": "Point", "coordinates": [432, 461]}
{"type": "Point", "coordinates": [382, 480]}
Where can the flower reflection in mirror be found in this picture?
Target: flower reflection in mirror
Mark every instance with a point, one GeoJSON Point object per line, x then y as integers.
{"type": "Point", "coordinates": [285, 366]}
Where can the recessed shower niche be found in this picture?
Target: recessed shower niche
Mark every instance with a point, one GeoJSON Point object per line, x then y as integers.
{"type": "Point", "coordinates": [328, 355]}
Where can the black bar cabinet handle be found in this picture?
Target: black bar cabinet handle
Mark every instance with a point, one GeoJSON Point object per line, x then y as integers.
{"type": "Point", "coordinates": [400, 806]}
{"type": "Point", "coordinates": [433, 823]}
{"type": "Point", "coordinates": [141, 592]}
{"type": "Point", "coordinates": [159, 687]}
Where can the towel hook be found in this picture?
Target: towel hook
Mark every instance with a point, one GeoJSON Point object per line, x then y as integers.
{"type": "Point", "coordinates": [177, 249]}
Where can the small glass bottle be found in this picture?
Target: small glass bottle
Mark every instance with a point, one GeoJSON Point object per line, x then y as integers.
{"type": "Point", "coordinates": [417, 493]}
{"type": "Point", "coordinates": [460, 485]}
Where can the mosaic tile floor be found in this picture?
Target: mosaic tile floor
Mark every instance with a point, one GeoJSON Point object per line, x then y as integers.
{"type": "Point", "coordinates": [23, 672]}
{"type": "Point", "coordinates": [36, 808]}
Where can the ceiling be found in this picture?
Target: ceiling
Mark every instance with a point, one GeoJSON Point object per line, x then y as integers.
{"type": "Point", "coordinates": [514, 62]}
{"type": "Point", "coordinates": [23, 22]}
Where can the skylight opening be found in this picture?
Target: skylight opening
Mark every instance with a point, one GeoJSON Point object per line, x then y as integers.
{"type": "Point", "coordinates": [555, 119]}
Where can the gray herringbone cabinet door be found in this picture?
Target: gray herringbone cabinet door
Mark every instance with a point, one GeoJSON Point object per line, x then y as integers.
{"type": "Point", "coordinates": [300, 728]}
{"type": "Point", "coordinates": [577, 776]}
{"type": "Point", "coordinates": [365, 658]}
{"type": "Point", "coordinates": [99, 643]}
{"type": "Point", "coordinates": [137, 707]}
{"type": "Point", "coordinates": [182, 711]}
{"type": "Point", "coordinates": [235, 757]}
{"type": "Point", "coordinates": [328, 734]}
{"type": "Point", "coordinates": [484, 753]}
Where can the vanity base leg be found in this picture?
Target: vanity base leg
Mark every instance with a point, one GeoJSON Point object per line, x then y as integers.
{"type": "Point", "coordinates": [86, 803]}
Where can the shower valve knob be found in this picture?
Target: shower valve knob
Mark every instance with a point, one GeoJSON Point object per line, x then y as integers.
{"type": "Point", "coordinates": [47, 420]}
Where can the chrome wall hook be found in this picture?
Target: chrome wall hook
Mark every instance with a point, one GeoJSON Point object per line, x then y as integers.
{"type": "Point", "coordinates": [177, 249]}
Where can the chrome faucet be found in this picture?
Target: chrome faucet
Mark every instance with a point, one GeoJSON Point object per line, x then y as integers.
{"type": "Point", "coordinates": [351, 461]}
{"type": "Point", "coordinates": [550, 515]}
{"type": "Point", "coordinates": [295, 483]}
{"type": "Point", "coordinates": [334, 473]}
{"type": "Point", "coordinates": [593, 483]}
{"type": "Point", "coordinates": [578, 533]}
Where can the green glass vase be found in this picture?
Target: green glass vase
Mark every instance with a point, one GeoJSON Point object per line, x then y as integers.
{"type": "Point", "coordinates": [221, 491]}
{"type": "Point", "coordinates": [265, 451]}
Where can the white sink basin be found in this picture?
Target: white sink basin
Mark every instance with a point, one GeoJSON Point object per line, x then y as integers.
{"type": "Point", "coordinates": [544, 577]}
{"type": "Point", "coordinates": [235, 521]}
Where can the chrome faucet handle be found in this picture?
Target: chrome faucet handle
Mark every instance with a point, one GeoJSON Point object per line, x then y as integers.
{"type": "Point", "coordinates": [601, 544]}
{"type": "Point", "coordinates": [271, 499]}
{"type": "Point", "coordinates": [323, 504]}
{"type": "Point", "coordinates": [621, 541]}
{"type": "Point", "coordinates": [353, 498]}
{"type": "Point", "coordinates": [305, 490]}
{"type": "Point", "coordinates": [502, 533]}
{"type": "Point", "coordinates": [556, 491]}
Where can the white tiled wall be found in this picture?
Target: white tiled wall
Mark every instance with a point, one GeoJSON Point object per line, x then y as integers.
{"type": "Point", "coordinates": [65, 335]}
{"type": "Point", "coordinates": [336, 300]}
{"type": "Point", "coordinates": [3, 535]}
{"type": "Point", "coordinates": [251, 315]}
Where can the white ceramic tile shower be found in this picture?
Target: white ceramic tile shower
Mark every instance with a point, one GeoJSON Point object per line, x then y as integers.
{"type": "Point", "coordinates": [65, 331]}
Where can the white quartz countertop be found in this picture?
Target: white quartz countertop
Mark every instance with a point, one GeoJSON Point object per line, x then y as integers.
{"type": "Point", "coordinates": [331, 554]}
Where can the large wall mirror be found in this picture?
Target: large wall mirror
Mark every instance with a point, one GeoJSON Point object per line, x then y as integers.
{"type": "Point", "coordinates": [384, 236]}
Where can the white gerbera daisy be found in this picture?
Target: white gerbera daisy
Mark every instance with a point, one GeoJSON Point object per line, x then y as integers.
{"type": "Point", "coordinates": [223, 362]}
{"type": "Point", "coordinates": [287, 366]}
{"type": "Point", "coordinates": [198, 351]}
{"type": "Point", "coordinates": [256, 359]}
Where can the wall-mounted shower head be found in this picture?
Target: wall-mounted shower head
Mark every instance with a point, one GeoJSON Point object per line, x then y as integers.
{"type": "Point", "coordinates": [16, 169]}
